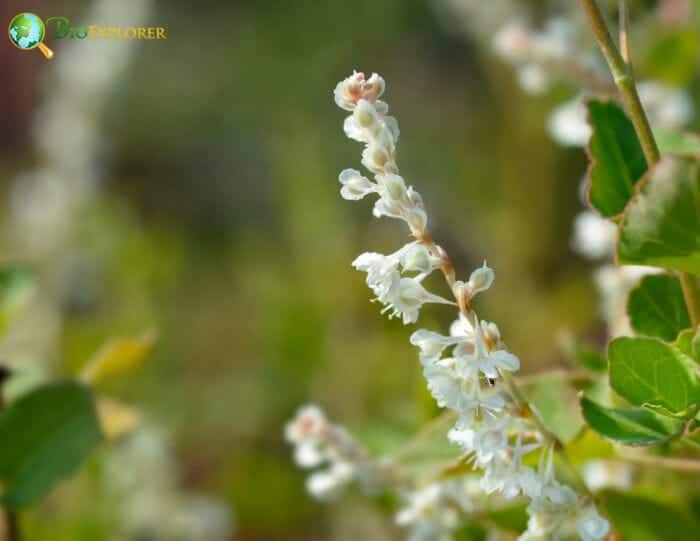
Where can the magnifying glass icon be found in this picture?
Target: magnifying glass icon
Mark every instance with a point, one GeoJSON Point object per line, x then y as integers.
{"type": "Point", "coordinates": [27, 31]}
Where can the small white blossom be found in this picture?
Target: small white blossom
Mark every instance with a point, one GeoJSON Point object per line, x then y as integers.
{"type": "Point", "coordinates": [355, 186]}
{"type": "Point", "coordinates": [327, 484]}
{"type": "Point", "coordinates": [533, 78]}
{"type": "Point", "coordinates": [568, 124]}
{"type": "Point", "coordinates": [417, 258]}
{"type": "Point", "coordinates": [591, 526]}
{"type": "Point", "coordinates": [355, 88]}
{"type": "Point", "coordinates": [513, 41]}
{"type": "Point", "coordinates": [594, 237]}
{"type": "Point", "coordinates": [666, 106]}
{"type": "Point", "coordinates": [406, 297]}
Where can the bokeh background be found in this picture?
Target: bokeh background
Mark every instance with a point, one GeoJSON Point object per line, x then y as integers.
{"type": "Point", "coordinates": [195, 192]}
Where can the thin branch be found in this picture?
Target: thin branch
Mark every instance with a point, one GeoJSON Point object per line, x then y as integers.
{"type": "Point", "coordinates": [624, 35]}
{"type": "Point", "coordinates": [691, 295]}
{"type": "Point", "coordinates": [677, 464]}
{"type": "Point", "coordinates": [624, 81]}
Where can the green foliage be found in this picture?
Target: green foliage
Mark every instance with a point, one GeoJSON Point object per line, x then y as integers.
{"type": "Point", "coordinates": [591, 359]}
{"type": "Point", "coordinates": [46, 435]}
{"type": "Point", "coordinates": [661, 224]}
{"type": "Point", "coordinates": [656, 307]}
{"type": "Point", "coordinates": [638, 518]}
{"type": "Point", "coordinates": [16, 286]}
{"type": "Point", "coordinates": [557, 404]}
{"type": "Point", "coordinates": [617, 160]}
{"type": "Point", "coordinates": [677, 142]}
{"type": "Point", "coordinates": [631, 426]}
{"type": "Point", "coordinates": [648, 372]}
{"type": "Point", "coordinates": [673, 57]}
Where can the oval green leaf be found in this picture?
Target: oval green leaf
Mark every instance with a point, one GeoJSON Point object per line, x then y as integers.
{"type": "Point", "coordinates": [646, 371]}
{"type": "Point", "coordinates": [661, 224]}
{"type": "Point", "coordinates": [630, 426]}
{"type": "Point", "coordinates": [46, 435]}
{"type": "Point", "coordinates": [656, 307]}
{"type": "Point", "coordinates": [617, 159]}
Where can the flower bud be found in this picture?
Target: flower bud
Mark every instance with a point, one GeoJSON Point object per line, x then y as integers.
{"type": "Point", "coordinates": [480, 280]}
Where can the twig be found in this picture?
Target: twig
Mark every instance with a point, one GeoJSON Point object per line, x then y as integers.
{"type": "Point", "coordinates": [677, 464]}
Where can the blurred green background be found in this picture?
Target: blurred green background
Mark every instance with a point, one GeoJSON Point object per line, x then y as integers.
{"type": "Point", "coordinates": [217, 221]}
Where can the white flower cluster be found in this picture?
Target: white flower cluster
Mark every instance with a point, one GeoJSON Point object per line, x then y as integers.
{"type": "Point", "coordinates": [318, 442]}
{"type": "Point", "coordinates": [541, 57]}
{"type": "Point", "coordinates": [667, 107]}
{"type": "Point", "coordinates": [470, 380]}
{"type": "Point", "coordinates": [432, 513]}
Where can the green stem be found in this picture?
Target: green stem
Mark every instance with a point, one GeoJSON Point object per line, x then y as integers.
{"type": "Point", "coordinates": [622, 73]}
{"type": "Point", "coordinates": [624, 80]}
{"type": "Point", "coordinates": [691, 294]}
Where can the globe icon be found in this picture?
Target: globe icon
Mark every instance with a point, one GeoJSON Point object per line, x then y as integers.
{"type": "Point", "coordinates": [27, 31]}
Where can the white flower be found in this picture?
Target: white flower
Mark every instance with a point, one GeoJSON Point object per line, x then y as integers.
{"type": "Point", "coordinates": [532, 78]}
{"type": "Point", "coordinates": [556, 42]}
{"type": "Point", "coordinates": [308, 454]}
{"type": "Point", "coordinates": [594, 237]}
{"type": "Point", "coordinates": [512, 42]}
{"type": "Point", "coordinates": [475, 354]}
{"type": "Point", "coordinates": [355, 186]}
{"type": "Point", "coordinates": [382, 271]}
{"type": "Point", "coordinates": [355, 88]}
{"type": "Point", "coordinates": [430, 513]}
{"type": "Point", "coordinates": [510, 479]}
{"type": "Point", "coordinates": [666, 106]}
{"type": "Point", "coordinates": [309, 422]}
{"type": "Point", "coordinates": [461, 391]}
{"type": "Point", "coordinates": [600, 474]}
{"type": "Point", "coordinates": [568, 125]}
{"type": "Point", "coordinates": [591, 526]}
{"type": "Point", "coordinates": [417, 258]}
{"type": "Point", "coordinates": [326, 484]}
{"type": "Point", "coordinates": [406, 297]}
{"type": "Point", "coordinates": [432, 344]}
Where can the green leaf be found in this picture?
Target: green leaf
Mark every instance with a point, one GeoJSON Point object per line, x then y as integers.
{"type": "Point", "coordinates": [661, 224]}
{"type": "Point", "coordinates": [677, 142]}
{"type": "Point", "coordinates": [591, 359]}
{"type": "Point", "coordinates": [637, 518]}
{"type": "Point", "coordinates": [617, 160]}
{"type": "Point", "coordinates": [557, 404]}
{"type": "Point", "coordinates": [684, 343]}
{"type": "Point", "coordinates": [630, 426]}
{"type": "Point", "coordinates": [16, 287]}
{"type": "Point", "coordinates": [45, 434]}
{"type": "Point", "coordinates": [646, 371]}
{"type": "Point", "coordinates": [656, 307]}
